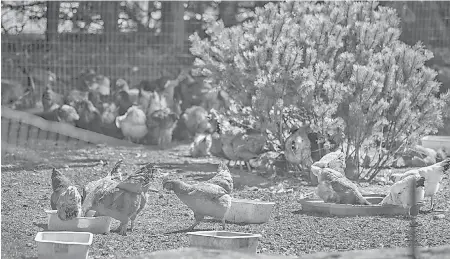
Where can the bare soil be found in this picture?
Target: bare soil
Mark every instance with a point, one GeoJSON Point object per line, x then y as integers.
{"type": "Point", "coordinates": [26, 189]}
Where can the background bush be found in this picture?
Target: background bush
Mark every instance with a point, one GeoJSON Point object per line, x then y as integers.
{"type": "Point", "coordinates": [333, 65]}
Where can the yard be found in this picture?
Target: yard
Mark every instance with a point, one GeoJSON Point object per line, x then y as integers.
{"type": "Point", "coordinates": [26, 190]}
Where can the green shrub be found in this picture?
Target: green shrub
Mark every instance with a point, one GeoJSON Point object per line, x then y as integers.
{"type": "Point", "coordinates": [331, 65]}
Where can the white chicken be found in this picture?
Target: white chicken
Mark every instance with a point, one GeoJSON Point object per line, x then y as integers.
{"type": "Point", "coordinates": [133, 124]}
{"type": "Point", "coordinates": [201, 145]}
{"type": "Point", "coordinates": [433, 175]}
{"type": "Point", "coordinates": [400, 192]}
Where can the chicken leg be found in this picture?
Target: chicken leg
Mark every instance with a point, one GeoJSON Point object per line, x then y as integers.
{"type": "Point", "coordinates": [432, 204]}
{"type": "Point", "coordinates": [223, 223]}
{"type": "Point", "coordinates": [198, 219]}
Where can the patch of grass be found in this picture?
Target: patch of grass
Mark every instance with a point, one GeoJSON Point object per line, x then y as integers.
{"type": "Point", "coordinates": [26, 192]}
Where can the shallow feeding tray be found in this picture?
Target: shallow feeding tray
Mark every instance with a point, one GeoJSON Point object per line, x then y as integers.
{"type": "Point", "coordinates": [225, 240]}
{"type": "Point", "coordinates": [63, 245]}
{"type": "Point", "coordinates": [249, 211]}
{"type": "Point", "coordinates": [319, 206]}
{"type": "Point", "coordinates": [95, 225]}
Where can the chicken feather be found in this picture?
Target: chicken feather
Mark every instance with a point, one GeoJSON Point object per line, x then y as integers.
{"type": "Point", "coordinates": [400, 192]}
{"type": "Point", "coordinates": [65, 197]}
{"type": "Point", "coordinates": [433, 176]}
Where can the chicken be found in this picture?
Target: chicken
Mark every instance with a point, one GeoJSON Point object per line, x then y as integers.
{"type": "Point", "coordinates": [197, 120]}
{"type": "Point", "coordinates": [110, 112]}
{"type": "Point", "coordinates": [133, 94]}
{"type": "Point", "coordinates": [122, 101]}
{"type": "Point", "coordinates": [297, 149]}
{"type": "Point", "coordinates": [216, 100]}
{"type": "Point", "coordinates": [90, 80]}
{"type": "Point", "coordinates": [334, 160]}
{"type": "Point", "coordinates": [210, 198]}
{"type": "Point", "coordinates": [75, 96]}
{"type": "Point", "coordinates": [65, 113]}
{"type": "Point", "coordinates": [247, 147]}
{"type": "Point", "coordinates": [227, 134]}
{"type": "Point", "coordinates": [150, 102]}
{"type": "Point", "coordinates": [161, 124]}
{"type": "Point", "coordinates": [334, 187]}
{"type": "Point", "coordinates": [400, 192]}
{"type": "Point", "coordinates": [223, 178]}
{"type": "Point", "coordinates": [433, 176]}
{"type": "Point", "coordinates": [120, 200]}
{"type": "Point", "coordinates": [12, 91]}
{"type": "Point", "coordinates": [201, 145]}
{"type": "Point", "coordinates": [133, 124]}
{"type": "Point", "coordinates": [65, 197]}
{"type": "Point", "coordinates": [90, 117]}
{"type": "Point", "coordinates": [50, 99]}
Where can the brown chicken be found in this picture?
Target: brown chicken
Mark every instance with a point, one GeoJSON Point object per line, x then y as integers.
{"type": "Point", "coordinates": [65, 113]}
{"type": "Point", "coordinates": [90, 117]}
{"type": "Point", "coordinates": [161, 124]}
{"type": "Point", "coordinates": [50, 99]}
{"type": "Point", "coordinates": [120, 200]}
{"type": "Point", "coordinates": [204, 198]}
{"type": "Point", "coordinates": [65, 197]}
{"type": "Point", "coordinates": [247, 147]}
{"type": "Point", "coordinates": [336, 188]}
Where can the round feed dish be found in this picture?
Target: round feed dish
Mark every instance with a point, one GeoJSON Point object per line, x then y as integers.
{"type": "Point", "coordinates": [318, 206]}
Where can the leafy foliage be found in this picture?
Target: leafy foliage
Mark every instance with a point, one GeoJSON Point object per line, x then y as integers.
{"type": "Point", "coordinates": [333, 65]}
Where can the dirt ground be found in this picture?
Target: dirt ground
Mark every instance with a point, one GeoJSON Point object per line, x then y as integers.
{"type": "Point", "coordinates": [26, 189]}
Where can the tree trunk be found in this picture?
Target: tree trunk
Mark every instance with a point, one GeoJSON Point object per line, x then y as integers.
{"type": "Point", "coordinates": [172, 23]}
{"type": "Point", "coordinates": [227, 12]}
{"type": "Point", "coordinates": [52, 20]}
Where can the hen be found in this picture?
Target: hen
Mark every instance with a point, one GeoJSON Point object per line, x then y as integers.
{"type": "Point", "coordinates": [223, 178]}
{"type": "Point", "coordinates": [336, 188]}
{"type": "Point", "coordinates": [90, 117]}
{"type": "Point", "coordinates": [120, 200]}
{"type": "Point", "coordinates": [201, 145]}
{"type": "Point", "coordinates": [65, 197]}
{"type": "Point", "coordinates": [133, 124]}
{"type": "Point", "coordinates": [161, 124]}
{"type": "Point", "coordinates": [400, 192]}
{"type": "Point", "coordinates": [297, 149]}
{"type": "Point", "coordinates": [50, 99]}
{"type": "Point", "coordinates": [205, 198]}
{"type": "Point", "coordinates": [247, 147]}
{"type": "Point", "coordinates": [433, 176]}
{"type": "Point", "coordinates": [64, 113]}
{"type": "Point", "coordinates": [334, 160]}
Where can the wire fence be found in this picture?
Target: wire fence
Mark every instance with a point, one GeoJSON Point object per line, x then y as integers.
{"type": "Point", "coordinates": [140, 41]}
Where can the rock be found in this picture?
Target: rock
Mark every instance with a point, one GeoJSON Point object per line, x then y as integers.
{"type": "Point", "coordinates": [439, 216]}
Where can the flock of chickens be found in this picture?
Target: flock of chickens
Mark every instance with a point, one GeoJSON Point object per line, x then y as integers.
{"type": "Point", "coordinates": [185, 108]}
{"type": "Point", "coordinates": [334, 187]}
{"type": "Point", "coordinates": [124, 198]}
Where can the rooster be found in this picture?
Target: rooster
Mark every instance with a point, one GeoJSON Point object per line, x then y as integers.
{"type": "Point", "coordinates": [204, 198]}
{"type": "Point", "coordinates": [120, 200]}
{"type": "Point", "coordinates": [133, 124]}
{"type": "Point", "coordinates": [334, 187]}
{"type": "Point", "coordinates": [400, 192]}
{"type": "Point", "coordinates": [433, 176]}
{"type": "Point", "coordinates": [65, 197]}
